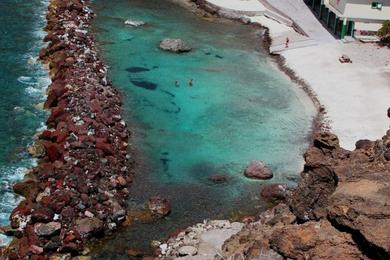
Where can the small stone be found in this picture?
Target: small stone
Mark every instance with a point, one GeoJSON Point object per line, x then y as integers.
{"type": "Point", "coordinates": [36, 250]}
{"type": "Point", "coordinates": [155, 243]}
{"type": "Point", "coordinates": [48, 229]}
{"type": "Point", "coordinates": [89, 214]}
{"type": "Point", "coordinates": [122, 181]}
{"type": "Point", "coordinates": [159, 206]}
{"type": "Point", "coordinates": [87, 226]}
{"type": "Point", "coordinates": [42, 215]}
{"type": "Point", "coordinates": [187, 250]}
{"type": "Point", "coordinates": [217, 179]}
{"type": "Point", "coordinates": [163, 248]}
{"type": "Point", "coordinates": [36, 150]}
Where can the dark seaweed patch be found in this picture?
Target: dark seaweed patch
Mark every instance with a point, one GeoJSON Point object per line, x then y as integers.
{"type": "Point", "coordinates": [137, 69]}
{"type": "Point", "coordinates": [144, 84]}
{"type": "Point", "coordinates": [165, 162]}
{"type": "Point", "coordinates": [167, 92]}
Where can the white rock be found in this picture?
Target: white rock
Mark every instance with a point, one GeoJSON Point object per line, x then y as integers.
{"type": "Point", "coordinates": [187, 250]}
{"type": "Point", "coordinates": [163, 248]}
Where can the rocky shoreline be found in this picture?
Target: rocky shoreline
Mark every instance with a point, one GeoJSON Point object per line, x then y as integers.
{"type": "Point", "coordinates": [340, 210]}
{"type": "Point", "coordinates": [78, 190]}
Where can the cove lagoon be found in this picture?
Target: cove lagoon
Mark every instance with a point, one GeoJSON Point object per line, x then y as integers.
{"type": "Point", "coordinates": [240, 108]}
{"type": "Point", "coordinates": [23, 82]}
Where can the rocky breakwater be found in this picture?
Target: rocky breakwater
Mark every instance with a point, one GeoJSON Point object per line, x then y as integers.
{"type": "Point", "coordinates": [340, 209]}
{"type": "Point", "coordinates": [78, 190]}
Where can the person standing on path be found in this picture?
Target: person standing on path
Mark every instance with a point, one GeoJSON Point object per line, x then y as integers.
{"type": "Point", "coordinates": [287, 42]}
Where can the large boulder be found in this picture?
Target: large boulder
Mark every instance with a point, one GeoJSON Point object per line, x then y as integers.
{"type": "Point", "coordinates": [258, 170]}
{"type": "Point", "coordinates": [174, 45]}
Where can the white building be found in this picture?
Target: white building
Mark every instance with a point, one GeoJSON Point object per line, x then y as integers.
{"type": "Point", "coordinates": [347, 17]}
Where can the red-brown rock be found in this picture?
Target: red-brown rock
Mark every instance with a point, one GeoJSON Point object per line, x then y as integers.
{"type": "Point", "coordinates": [258, 170]}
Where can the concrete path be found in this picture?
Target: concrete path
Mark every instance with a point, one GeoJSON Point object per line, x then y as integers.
{"type": "Point", "coordinates": [302, 15]}
{"type": "Point", "coordinates": [248, 7]}
{"type": "Point", "coordinates": [279, 32]}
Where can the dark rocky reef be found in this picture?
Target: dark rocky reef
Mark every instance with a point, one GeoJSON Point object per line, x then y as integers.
{"type": "Point", "coordinates": [340, 209]}
{"type": "Point", "coordinates": [78, 190]}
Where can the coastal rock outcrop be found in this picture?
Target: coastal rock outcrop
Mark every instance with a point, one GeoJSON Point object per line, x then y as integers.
{"type": "Point", "coordinates": [258, 170]}
{"type": "Point", "coordinates": [174, 45]}
{"type": "Point", "coordinates": [275, 192]}
{"type": "Point", "coordinates": [340, 208]}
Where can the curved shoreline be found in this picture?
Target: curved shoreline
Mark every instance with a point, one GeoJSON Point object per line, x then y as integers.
{"type": "Point", "coordinates": [44, 223]}
{"type": "Point", "coordinates": [335, 199]}
{"type": "Point", "coordinates": [78, 190]}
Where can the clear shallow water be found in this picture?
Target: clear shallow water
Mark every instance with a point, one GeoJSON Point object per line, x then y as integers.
{"type": "Point", "coordinates": [240, 108]}
{"type": "Point", "coordinates": [22, 84]}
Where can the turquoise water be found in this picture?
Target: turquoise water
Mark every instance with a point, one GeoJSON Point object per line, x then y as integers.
{"type": "Point", "coordinates": [22, 84]}
{"type": "Point", "coordinates": [240, 108]}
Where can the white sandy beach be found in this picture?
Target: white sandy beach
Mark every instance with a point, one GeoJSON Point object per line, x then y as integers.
{"type": "Point", "coordinates": [356, 96]}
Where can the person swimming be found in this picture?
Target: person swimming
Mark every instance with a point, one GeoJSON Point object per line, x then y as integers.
{"type": "Point", "coordinates": [190, 82]}
{"type": "Point", "coordinates": [177, 83]}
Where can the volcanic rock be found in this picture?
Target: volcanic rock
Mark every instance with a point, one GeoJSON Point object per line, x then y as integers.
{"type": "Point", "coordinates": [48, 229]}
{"type": "Point", "coordinates": [274, 192]}
{"type": "Point", "coordinates": [258, 170]}
{"type": "Point", "coordinates": [159, 207]}
{"type": "Point", "coordinates": [88, 226]}
{"type": "Point", "coordinates": [217, 178]}
{"type": "Point", "coordinates": [174, 45]}
{"type": "Point", "coordinates": [314, 240]}
{"type": "Point", "coordinates": [42, 215]}
{"type": "Point", "coordinates": [36, 150]}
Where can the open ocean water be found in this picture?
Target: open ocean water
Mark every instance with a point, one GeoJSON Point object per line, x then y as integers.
{"type": "Point", "coordinates": [23, 84]}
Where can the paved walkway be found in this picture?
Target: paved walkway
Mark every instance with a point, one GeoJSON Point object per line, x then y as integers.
{"type": "Point", "coordinates": [302, 15]}
{"type": "Point", "coordinates": [242, 6]}
{"type": "Point", "coordinates": [278, 22]}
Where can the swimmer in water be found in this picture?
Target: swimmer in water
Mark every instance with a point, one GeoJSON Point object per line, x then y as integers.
{"type": "Point", "coordinates": [177, 83]}
{"type": "Point", "coordinates": [190, 82]}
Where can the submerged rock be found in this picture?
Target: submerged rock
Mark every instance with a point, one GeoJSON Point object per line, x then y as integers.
{"type": "Point", "coordinates": [159, 207]}
{"type": "Point", "coordinates": [217, 179]}
{"type": "Point", "coordinates": [258, 170]}
{"type": "Point", "coordinates": [174, 45]}
{"type": "Point", "coordinates": [134, 23]}
{"type": "Point", "coordinates": [274, 192]}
